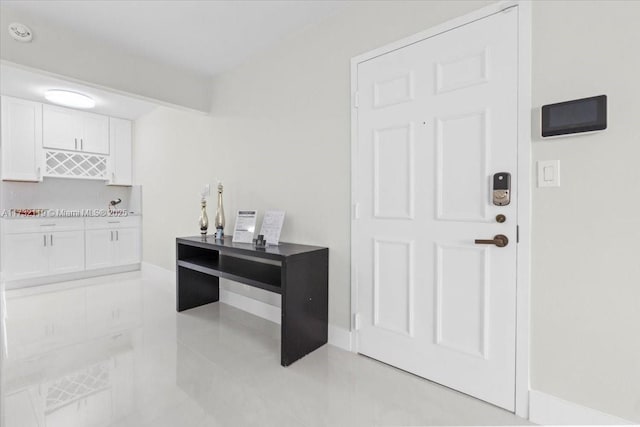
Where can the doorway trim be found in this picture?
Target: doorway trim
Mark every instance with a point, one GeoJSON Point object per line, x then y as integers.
{"type": "Point", "coordinates": [523, 256]}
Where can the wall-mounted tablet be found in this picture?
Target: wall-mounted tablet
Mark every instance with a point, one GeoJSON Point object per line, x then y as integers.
{"type": "Point", "coordinates": [577, 116]}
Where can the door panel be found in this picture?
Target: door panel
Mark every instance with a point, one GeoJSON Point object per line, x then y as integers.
{"type": "Point", "coordinates": [461, 299]}
{"type": "Point", "coordinates": [21, 139]}
{"type": "Point", "coordinates": [393, 172]}
{"type": "Point", "coordinates": [25, 255]}
{"type": "Point", "coordinates": [462, 187]}
{"type": "Point", "coordinates": [66, 252]}
{"type": "Point", "coordinates": [393, 286]}
{"type": "Point", "coordinates": [95, 133]}
{"type": "Point", "coordinates": [127, 246]}
{"type": "Point", "coordinates": [436, 120]}
{"type": "Point", "coordinates": [120, 150]}
{"type": "Point", "coordinates": [99, 249]}
{"type": "Point", "coordinates": [61, 128]}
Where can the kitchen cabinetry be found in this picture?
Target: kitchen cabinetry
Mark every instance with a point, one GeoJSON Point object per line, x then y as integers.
{"type": "Point", "coordinates": [38, 249]}
{"type": "Point", "coordinates": [34, 248]}
{"type": "Point", "coordinates": [67, 129]}
{"type": "Point", "coordinates": [21, 140]}
{"type": "Point", "coordinates": [120, 152]}
{"type": "Point", "coordinates": [112, 242]}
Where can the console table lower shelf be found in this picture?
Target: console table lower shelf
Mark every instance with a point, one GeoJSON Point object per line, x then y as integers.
{"type": "Point", "coordinates": [299, 273]}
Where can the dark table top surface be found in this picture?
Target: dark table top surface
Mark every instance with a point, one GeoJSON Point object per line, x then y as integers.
{"type": "Point", "coordinates": [283, 249]}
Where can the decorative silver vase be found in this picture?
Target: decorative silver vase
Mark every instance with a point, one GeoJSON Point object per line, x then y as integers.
{"type": "Point", "coordinates": [204, 219]}
{"type": "Point", "coordinates": [219, 220]}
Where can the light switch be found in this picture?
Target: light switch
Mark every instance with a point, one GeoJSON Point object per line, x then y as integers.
{"type": "Point", "coordinates": [548, 173]}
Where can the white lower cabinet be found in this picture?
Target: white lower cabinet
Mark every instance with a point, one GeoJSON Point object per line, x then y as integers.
{"type": "Point", "coordinates": [24, 255]}
{"type": "Point", "coordinates": [66, 252]}
{"type": "Point", "coordinates": [35, 248]}
{"type": "Point", "coordinates": [99, 249]}
{"type": "Point", "coordinates": [112, 242]}
{"type": "Point", "coordinates": [127, 246]}
{"type": "Point", "coordinates": [40, 248]}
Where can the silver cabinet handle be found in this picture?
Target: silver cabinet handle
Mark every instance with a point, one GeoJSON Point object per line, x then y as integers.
{"type": "Point", "coordinates": [113, 222]}
{"type": "Point", "coordinates": [51, 235]}
{"type": "Point", "coordinates": [47, 225]}
{"type": "Point", "coordinates": [76, 141]}
{"type": "Point", "coordinates": [111, 239]}
{"type": "Point", "coordinates": [117, 235]}
{"type": "Point", "coordinates": [81, 144]}
{"type": "Point", "coordinates": [45, 240]}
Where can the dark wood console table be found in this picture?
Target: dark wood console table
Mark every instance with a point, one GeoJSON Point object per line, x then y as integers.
{"type": "Point", "coordinates": [301, 278]}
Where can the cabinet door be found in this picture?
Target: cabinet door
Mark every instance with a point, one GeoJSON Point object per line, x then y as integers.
{"type": "Point", "coordinates": [99, 248]}
{"type": "Point", "coordinates": [21, 139]}
{"type": "Point", "coordinates": [66, 251]}
{"type": "Point", "coordinates": [61, 128]}
{"type": "Point", "coordinates": [127, 246]}
{"type": "Point", "coordinates": [24, 255]}
{"type": "Point", "coordinates": [95, 133]}
{"type": "Point", "coordinates": [120, 150]}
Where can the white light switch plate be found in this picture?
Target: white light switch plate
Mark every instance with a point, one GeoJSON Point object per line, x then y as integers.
{"type": "Point", "coordinates": [548, 173]}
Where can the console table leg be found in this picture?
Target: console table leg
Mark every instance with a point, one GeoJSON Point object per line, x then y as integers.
{"type": "Point", "coordinates": [194, 289]}
{"type": "Point", "coordinates": [304, 305]}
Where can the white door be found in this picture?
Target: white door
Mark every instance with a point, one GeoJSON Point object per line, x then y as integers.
{"type": "Point", "coordinates": [127, 246]}
{"type": "Point", "coordinates": [25, 255]}
{"type": "Point", "coordinates": [66, 251]}
{"type": "Point", "coordinates": [61, 128]}
{"type": "Point", "coordinates": [99, 248]}
{"type": "Point", "coordinates": [21, 139]}
{"type": "Point", "coordinates": [120, 150]}
{"type": "Point", "coordinates": [436, 120]}
{"type": "Point", "coordinates": [95, 133]}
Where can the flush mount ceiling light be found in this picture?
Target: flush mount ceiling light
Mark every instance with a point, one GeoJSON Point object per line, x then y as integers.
{"type": "Point", "coordinates": [69, 99]}
{"type": "Point", "coordinates": [20, 32]}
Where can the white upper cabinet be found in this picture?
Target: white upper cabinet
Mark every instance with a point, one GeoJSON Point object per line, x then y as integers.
{"type": "Point", "coordinates": [61, 128]}
{"type": "Point", "coordinates": [67, 129]}
{"type": "Point", "coordinates": [95, 133]}
{"type": "Point", "coordinates": [21, 140]}
{"type": "Point", "coordinates": [120, 149]}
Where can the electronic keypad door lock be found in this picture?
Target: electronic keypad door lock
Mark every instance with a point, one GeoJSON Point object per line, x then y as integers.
{"type": "Point", "coordinates": [502, 188]}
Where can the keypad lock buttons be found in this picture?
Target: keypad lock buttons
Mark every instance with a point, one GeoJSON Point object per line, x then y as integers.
{"type": "Point", "coordinates": [502, 189]}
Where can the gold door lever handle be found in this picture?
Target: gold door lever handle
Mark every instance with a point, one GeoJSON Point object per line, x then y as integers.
{"type": "Point", "coordinates": [500, 240]}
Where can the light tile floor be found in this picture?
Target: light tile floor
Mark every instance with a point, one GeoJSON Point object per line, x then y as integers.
{"type": "Point", "coordinates": [112, 351]}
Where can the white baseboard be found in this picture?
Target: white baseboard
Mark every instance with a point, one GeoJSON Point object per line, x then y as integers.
{"type": "Point", "coordinates": [250, 305]}
{"type": "Point", "coordinates": [67, 277]}
{"type": "Point", "coordinates": [152, 270]}
{"type": "Point", "coordinates": [545, 409]}
{"type": "Point", "coordinates": [338, 337]}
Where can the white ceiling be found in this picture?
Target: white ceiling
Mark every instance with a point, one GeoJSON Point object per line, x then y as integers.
{"type": "Point", "coordinates": [26, 84]}
{"type": "Point", "coordinates": [204, 36]}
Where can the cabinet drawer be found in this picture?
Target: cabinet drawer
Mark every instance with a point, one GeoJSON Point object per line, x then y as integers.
{"type": "Point", "coordinates": [112, 222]}
{"type": "Point", "coordinates": [37, 225]}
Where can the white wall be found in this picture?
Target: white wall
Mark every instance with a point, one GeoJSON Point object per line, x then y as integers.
{"type": "Point", "coordinates": [75, 55]}
{"type": "Point", "coordinates": [586, 256]}
{"type": "Point", "coordinates": [280, 137]}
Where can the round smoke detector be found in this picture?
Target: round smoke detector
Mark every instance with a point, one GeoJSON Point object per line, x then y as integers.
{"type": "Point", "coordinates": [20, 32]}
